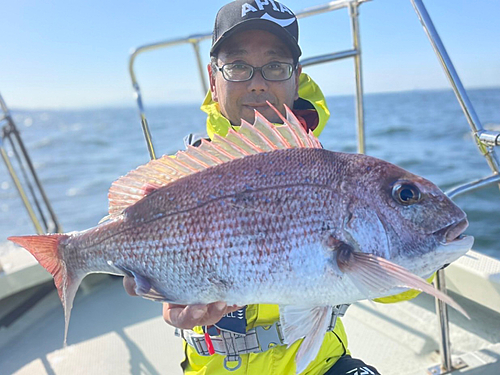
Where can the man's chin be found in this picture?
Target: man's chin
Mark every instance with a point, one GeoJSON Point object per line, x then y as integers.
{"type": "Point", "coordinates": [268, 113]}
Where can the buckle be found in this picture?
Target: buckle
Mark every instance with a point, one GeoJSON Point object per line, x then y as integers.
{"type": "Point", "coordinates": [232, 359]}
{"type": "Point", "coordinates": [337, 312]}
{"type": "Point", "coordinates": [269, 336]}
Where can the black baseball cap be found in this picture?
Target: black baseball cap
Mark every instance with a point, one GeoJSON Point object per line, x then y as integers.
{"type": "Point", "coordinates": [268, 15]}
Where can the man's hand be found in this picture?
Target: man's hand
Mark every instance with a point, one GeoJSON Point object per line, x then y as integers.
{"type": "Point", "coordinates": [187, 316]}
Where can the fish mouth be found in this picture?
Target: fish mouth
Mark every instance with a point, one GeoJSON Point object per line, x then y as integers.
{"type": "Point", "coordinates": [452, 232]}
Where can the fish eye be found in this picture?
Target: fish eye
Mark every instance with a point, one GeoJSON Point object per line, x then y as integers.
{"type": "Point", "coordinates": [406, 193]}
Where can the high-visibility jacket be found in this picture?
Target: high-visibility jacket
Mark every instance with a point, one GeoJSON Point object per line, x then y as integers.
{"type": "Point", "coordinates": [279, 359]}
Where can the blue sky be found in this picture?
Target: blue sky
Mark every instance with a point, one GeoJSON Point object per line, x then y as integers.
{"type": "Point", "coordinates": [74, 54]}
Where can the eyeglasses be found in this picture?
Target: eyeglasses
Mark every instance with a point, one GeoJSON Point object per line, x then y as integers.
{"type": "Point", "coordinates": [240, 72]}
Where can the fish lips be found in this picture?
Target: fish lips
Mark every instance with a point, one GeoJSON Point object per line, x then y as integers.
{"type": "Point", "coordinates": [453, 234]}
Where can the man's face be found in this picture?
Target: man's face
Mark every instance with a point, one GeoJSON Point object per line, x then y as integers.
{"type": "Point", "coordinates": [238, 100]}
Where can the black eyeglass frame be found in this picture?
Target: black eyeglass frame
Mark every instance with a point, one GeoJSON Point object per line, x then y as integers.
{"type": "Point", "coordinates": [293, 67]}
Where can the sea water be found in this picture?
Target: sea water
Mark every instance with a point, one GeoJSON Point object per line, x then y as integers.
{"type": "Point", "coordinates": [79, 153]}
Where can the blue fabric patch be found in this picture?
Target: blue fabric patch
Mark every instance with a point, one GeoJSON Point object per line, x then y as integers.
{"type": "Point", "coordinates": [234, 322]}
{"type": "Point", "coordinates": [212, 331]}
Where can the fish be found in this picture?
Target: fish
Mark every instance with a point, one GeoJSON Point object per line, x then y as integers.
{"type": "Point", "coordinates": [265, 215]}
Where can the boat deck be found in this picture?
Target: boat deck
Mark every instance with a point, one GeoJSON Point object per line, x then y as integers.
{"type": "Point", "coordinates": [19, 270]}
{"type": "Point", "coordinates": [113, 333]}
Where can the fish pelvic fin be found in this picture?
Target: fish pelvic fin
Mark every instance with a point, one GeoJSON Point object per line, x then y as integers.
{"type": "Point", "coordinates": [47, 251]}
{"type": "Point", "coordinates": [309, 323]}
{"type": "Point", "coordinates": [143, 285]}
{"type": "Point", "coordinates": [370, 272]}
{"type": "Point", "coordinates": [261, 136]}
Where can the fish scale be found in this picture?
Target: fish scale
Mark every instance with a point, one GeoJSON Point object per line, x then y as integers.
{"type": "Point", "coordinates": [247, 227]}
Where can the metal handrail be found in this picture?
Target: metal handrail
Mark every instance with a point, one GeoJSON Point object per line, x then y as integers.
{"type": "Point", "coordinates": [473, 185]}
{"type": "Point", "coordinates": [195, 40]}
{"type": "Point", "coordinates": [360, 116]}
{"type": "Point", "coordinates": [485, 141]}
{"type": "Point", "coordinates": [43, 218]}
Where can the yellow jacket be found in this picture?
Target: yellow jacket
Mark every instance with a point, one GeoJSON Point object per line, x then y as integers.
{"type": "Point", "coordinates": [279, 359]}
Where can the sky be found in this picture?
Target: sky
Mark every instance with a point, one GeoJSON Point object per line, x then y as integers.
{"type": "Point", "coordinates": [74, 54]}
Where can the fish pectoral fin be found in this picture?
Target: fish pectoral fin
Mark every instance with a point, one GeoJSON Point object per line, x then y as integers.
{"type": "Point", "coordinates": [371, 272]}
{"type": "Point", "coordinates": [309, 323]}
{"type": "Point", "coordinates": [143, 286]}
{"type": "Point", "coordinates": [154, 296]}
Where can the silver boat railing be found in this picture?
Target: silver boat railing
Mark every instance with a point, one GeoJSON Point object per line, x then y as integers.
{"type": "Point", "coordinates": [36, 202]}
{"type": "Point", "coordinates": [485, 140]}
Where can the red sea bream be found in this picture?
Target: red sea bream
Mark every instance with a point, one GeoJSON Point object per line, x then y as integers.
{"type": "Point", "coordinates": [265, 215]}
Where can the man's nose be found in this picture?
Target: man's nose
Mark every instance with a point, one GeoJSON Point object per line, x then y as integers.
{"type": "Point", "coordinates": [257, 83]}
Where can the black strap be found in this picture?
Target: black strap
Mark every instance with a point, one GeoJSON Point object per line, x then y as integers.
{"type": "Point", "coordinates": [347, 365]}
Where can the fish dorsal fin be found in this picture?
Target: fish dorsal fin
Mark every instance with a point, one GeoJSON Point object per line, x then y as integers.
{"type": "Point", "coordinates": [135, 185]}
{"type": "Point", "coordinates": [262, 136]}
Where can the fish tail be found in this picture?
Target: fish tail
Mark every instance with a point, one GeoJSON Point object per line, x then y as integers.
{"type": "Point", "coordinates": [47, 250]}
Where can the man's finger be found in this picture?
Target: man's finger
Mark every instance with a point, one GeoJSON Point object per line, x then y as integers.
{"type": "Point", "coordinates": [129, 285]}
{"type": "Point", "coordinates": [186, 317]}
{"type": "Point", "coordinates": [182, 316]}
{"type": "Point", "coordinates": [232, 308]}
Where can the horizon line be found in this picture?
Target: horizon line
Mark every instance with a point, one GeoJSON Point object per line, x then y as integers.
{"type": "Point", "coordinates": [157, 104]}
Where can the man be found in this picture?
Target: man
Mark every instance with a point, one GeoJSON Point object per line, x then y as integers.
{"type": "Point", "coordinates": [254, 59]}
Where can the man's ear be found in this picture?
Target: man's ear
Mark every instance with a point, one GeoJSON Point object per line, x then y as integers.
{"type": "Point", "coordinates": [298, 71]}
{"type": "Point", "coordinates": [211, 78]}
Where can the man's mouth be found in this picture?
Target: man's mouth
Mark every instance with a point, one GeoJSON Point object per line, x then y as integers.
{"type": "Point", "coordinates": [256, 105]}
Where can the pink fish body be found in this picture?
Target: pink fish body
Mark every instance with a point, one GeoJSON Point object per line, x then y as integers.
{"type": "Point", "coordinates": [243, 222]}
